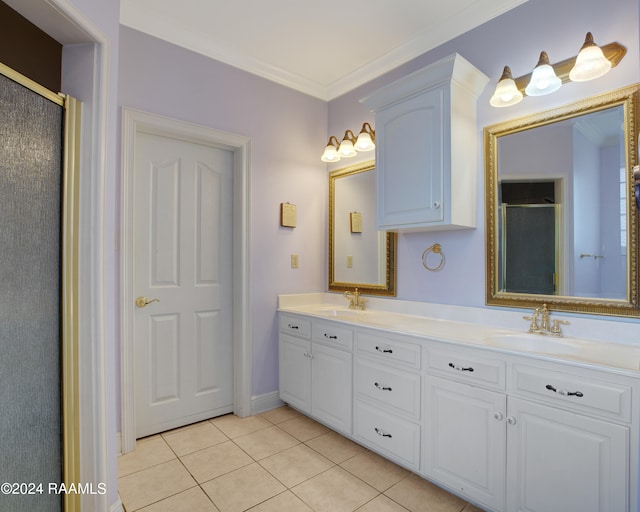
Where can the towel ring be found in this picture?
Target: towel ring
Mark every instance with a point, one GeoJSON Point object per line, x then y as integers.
{"type": "Point", "coordinates": [436, 249]}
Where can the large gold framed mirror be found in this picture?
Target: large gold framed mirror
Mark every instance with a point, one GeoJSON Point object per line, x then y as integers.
{"type": "Point", "coordinates": [561, 217]}
{"type": "Point", "coordinates": [359, 255]}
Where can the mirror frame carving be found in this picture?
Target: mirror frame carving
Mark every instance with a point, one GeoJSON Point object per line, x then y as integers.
{"type": "Point", "coordinates": [389, 287]}
{"type": "Point", "coordinates": [629, 98]}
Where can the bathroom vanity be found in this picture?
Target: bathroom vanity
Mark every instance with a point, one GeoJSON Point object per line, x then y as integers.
{"type": "Point", "coordinates": [508, 420]}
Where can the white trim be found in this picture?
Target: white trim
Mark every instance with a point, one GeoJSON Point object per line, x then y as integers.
{"type": "Point", "coordinates": [266, 402]}
{"type": "Point", "coordinates": [118, 443]}
{"type": "Point", "coordinates": [134, 121]}
{"type": "Point", "coordinates": [71, 27]}
{"type": "Point", "coordinates": [117, 506]}
{"type": "Point", "coordinates": [137, 16]}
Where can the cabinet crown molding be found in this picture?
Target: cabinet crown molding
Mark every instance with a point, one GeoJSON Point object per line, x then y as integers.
{"type": "Point", "coordinates": [454, 68]}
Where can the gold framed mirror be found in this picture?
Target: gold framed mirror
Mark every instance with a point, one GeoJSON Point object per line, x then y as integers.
{"type": "Point", "coordinates": [359, 255]}
{"type": "Point", "coordinates": [561, 219]}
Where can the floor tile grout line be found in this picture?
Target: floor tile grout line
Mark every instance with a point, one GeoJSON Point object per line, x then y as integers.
{"type": "Point", "coordinates": [376, 497]}
{"type": "Point", "coordinates": [162, 499]}
{"type": "Point", "coordinates": [259, 462]}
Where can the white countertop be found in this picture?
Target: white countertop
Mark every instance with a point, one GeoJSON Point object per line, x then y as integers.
{"type": "Point", "coordinates": [566, 348]}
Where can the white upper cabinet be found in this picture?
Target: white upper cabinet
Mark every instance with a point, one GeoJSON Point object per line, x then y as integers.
{"type": "Point", "coordinates": [427, 147]}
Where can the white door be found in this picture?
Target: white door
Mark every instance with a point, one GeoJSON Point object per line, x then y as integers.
{"type": "Point", "coordinates": [331, 387]}
{"type": "Point", "coordinates": [295, 372]}
{"type": "Point", "coordinates": [465, 439]}
{"type": "Point", "coordinates": [559, 461]}
{"type": "Point", "coordinates": [183, 268]}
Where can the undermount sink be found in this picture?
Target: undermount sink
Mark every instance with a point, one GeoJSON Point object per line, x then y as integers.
{"type": "Point", "coordinates": [341, 313]}
{"type": "Point", "coordinates": [534, 343]}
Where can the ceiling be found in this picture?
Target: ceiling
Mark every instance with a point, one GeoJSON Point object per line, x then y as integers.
{"type": "Point", "coordinates": [322, 49]}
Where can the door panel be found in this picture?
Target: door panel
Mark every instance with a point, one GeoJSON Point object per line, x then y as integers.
{"type": "Point", "coordinates": [183, 266]}
{"type": "Point", "coordinates": [31, 128]}
{"type": "Point", "coordinates": [560, 461]}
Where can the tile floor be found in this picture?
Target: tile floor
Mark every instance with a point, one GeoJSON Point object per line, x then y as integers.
{"type": "Point", "coordinates": [278, 461]}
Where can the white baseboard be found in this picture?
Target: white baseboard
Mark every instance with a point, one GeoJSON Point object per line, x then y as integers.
{"type": "Point", "coordinates": [117, 506]}
{"type": "Point", "coordinates": [259, 404]}
{"type": "Point", "coordinates": [266, 402]}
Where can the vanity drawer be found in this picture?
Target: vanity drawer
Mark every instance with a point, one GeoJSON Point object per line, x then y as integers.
{"type": "Point", "coordinates": [395, 389]}
{"type": "Point", "coordinates": [581, 393]}
{"type": "Point", "coordinates": [397, 438]}
{"type": "Point", "coordinates": [467, 366]}
{"type": "Point", "coordinates": [333, 335]}
{"type": "Point", "coordinates": [295, 326]}
{"type": "Point", "coordinates": [389, 349]}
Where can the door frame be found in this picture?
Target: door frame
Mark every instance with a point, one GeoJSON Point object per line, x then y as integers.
{"type": "Point", "coordinates": [69, 265]}
{"type": "Point", "coordinates": [134, 122]}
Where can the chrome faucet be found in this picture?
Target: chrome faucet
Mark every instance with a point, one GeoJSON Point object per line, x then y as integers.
{"type": "Point", "coordinates": [545, 326]}
{"type": "Point", "coordinates": [355, 300]}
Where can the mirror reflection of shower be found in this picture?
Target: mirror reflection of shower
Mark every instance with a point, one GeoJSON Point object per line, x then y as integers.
{"type": "Point", "coordinates": [529, 224]}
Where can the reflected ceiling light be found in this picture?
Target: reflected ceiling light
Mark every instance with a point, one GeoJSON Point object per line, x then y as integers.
{"type": "Point", "coordinates": [506, 93]}
{"type": "Point", "coordinates": [547, 78]}
{"type": "Point", "coordinates": [543, 79]}
{"type": "Point", "coordinates": [350, 145]}
{"type": "Point", "coordinates": [590, 62]}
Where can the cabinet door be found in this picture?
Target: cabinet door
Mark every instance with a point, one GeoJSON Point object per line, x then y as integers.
{"type": "Point", "coordinates": [561, 461]}
{"type": "Point", "coordinates": [331, 387]}
{"type": "Point", "coordinates": [295, 372]}
{"type": "Point", "coordinates": [409, 161]}
{"type": "Point", "coordinates": [465, 439]}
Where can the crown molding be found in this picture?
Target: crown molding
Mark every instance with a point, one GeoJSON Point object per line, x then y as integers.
{"type": "Point", "coordinates": [154, 24]}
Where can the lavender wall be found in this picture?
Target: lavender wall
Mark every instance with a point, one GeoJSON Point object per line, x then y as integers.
{"type": "Point", "coordinates": [159, 77]}
{"type": "Point", "coordinates": [515, 39]}
{"type": "Point", "coordinates": [287, 131]}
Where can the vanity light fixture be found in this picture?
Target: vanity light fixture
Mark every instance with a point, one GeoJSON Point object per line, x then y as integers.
{"type": "Point", "coordinates": [366, 138]}
{"type": "Point", "coordinates": [590, 62]}
{"type": "Point", "coordinates": [331, 151]}
{"type": "Point", "coordinates": [543, 79]}
{"type": "Point", "coordinates": [547, 78]}
{"type": "Point", "coordinates": [507, 93]}
{"type": "Point", "coordinates": [346, 149]}
{"type": "Point", "coordinates": [350, 145]}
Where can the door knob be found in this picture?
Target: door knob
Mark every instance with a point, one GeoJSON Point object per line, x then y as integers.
{"type": "Point", "coordinates": [143, 301]}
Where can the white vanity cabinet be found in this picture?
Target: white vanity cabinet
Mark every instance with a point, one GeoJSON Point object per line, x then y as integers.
{"type": "Point", "coordinates": [510, 432]}
{"type": "Point", "coordinates": [387, 382]}
{"type": "Point", "coordinates": [556, 439]}
{"type": "Point", "coordinates": [315, 360]}
{"type": "Point", "coordinates": [426, 149]}
{"type": "Point", "coordinates": [568, 440]}
{"type": "Point", "coordinates": [464, 441]}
